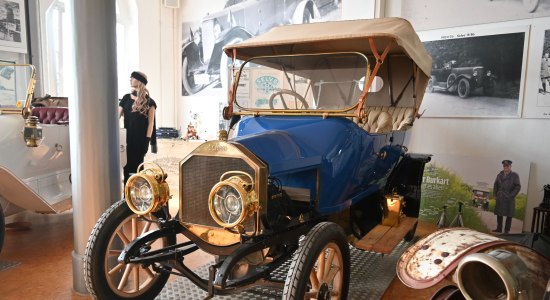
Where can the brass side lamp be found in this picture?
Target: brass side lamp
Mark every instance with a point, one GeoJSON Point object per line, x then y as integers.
{"type": "Point", "coordinates": [32, 132]}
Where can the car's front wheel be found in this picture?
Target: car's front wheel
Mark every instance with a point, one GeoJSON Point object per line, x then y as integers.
{"type": "Point", "coordinates": [463, 88]}
{"type": "Point", "coordinates": [106, 278]}
{"type": "Point", "coordinates": [320, 268]}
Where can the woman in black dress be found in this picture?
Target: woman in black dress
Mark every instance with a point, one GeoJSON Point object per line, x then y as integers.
{"type": "Point", "coordinates": [138, 110]}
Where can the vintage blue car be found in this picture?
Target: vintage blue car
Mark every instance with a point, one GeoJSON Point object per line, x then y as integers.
{"type": "Point", "coordinates": [313, 159]}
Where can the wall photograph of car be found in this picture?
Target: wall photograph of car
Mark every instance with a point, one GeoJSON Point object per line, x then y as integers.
{"type": "Point", "coordinates": [476, 71]}
{"type": "Point", "coordinates": [202, 55]}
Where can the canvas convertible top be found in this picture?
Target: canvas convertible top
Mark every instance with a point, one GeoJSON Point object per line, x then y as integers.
{"type": "Point", "coordinates": [337, 36]}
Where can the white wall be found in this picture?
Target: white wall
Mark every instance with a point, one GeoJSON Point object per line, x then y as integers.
{"type": "Point", "coordinates": [527, 140]}
{"type": "Point", "coordinates": [159, 44]}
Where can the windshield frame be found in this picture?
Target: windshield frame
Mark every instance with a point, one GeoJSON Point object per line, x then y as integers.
{"type": "Point", "coordinates": [25, 109]}
{"type": "Point", "coordinates": [344, 112]}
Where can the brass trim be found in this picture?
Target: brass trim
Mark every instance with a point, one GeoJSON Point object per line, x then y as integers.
{"type": "Point", "coordinates": [248, 199]}
{"type": "Point", "coordinates": [156, 178]}
{"type": "Point", "coordinates": [228, 149]}
{"type": "Point", "coordinates": [214, 236]}
{"type": "Point", "coordinates": [25, 111]}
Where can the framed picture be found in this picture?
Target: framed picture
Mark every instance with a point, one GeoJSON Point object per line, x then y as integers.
{"type": "Point", "coordinates": [13, 31]}
{"type": "Point", "coordinates": [537, 86]}
{"type": "Point", "coordinates": [8, 91]}
{"type": "Point", "coordinates": [477, 71]}
{"type": "Point", "coordinates": [457, 191]}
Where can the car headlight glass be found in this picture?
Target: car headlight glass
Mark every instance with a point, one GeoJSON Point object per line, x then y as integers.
{"type": "Point", "coordinates": [233, 199]}
{"type": "Point", "coordinates": [141, 194]}
{"type": "Point", "coordinates": [147, 190]}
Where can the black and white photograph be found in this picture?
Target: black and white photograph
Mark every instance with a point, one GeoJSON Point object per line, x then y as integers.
{"type": "Point", "coordinates": [236, 21]}
{"type": "Point", "coordinates": [433, 14]}
{"type": "Point", "coordinates": [12, 26]}
{"type": "Point", "coordinates": [543, 97]}
{"type": "Point", "coordinates": [476, 72]}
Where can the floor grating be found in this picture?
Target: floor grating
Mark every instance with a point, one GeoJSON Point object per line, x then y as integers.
{"type": "Point", "coordinates": [371, 273]}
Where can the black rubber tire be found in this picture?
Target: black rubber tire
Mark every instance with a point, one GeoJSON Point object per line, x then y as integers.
{"type": "Point", "coordinates": [188, 81]}
{"type": "Point", "coordinates": [323, 235]}
{"type": "Point", "coordinates": [96, 263]}
{"type": "Point", "coordinates": [463, 88]}
{"type": "Point", "coordinates": [2, 227]}
{"type": "Point", "coordinates": [451, 83]}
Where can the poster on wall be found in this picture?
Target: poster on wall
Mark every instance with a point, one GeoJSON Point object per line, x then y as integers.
{"type": "Point", "coordinates": [432, 14]}
{"type": "Point", "coordinates": [537, 87]}
{"type": "Point", "coordinates": [13, 30]}
{"type": "Point", "coordinates": [477, 71]}
{"type": "Point", "coordinates": [458, 191]}
{"type": "Point", "coordinates": [237, 20]}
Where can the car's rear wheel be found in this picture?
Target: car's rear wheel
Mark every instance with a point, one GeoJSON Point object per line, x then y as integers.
{"type": "Point", "coordinates": [463, 88]}
{"type": "Point", "coordinates": [530, 5]}
{"type": "Point", "coordinates": [105, 277]}
{"type": "Point", "coordinates": [2, 227]}
{"type": "Point", "coordinates": [451, 83]}
{"type": "Point", "coordinates": [320, 267]}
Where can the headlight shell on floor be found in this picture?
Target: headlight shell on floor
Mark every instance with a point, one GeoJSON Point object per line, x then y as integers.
{"type": "Point", "coordinates": [147, 190]}
{"type": "Point", "coordinates": [233, 199]}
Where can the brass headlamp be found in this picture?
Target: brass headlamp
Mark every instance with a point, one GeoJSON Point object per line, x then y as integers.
{"type": "Point", "coordinates": [147, 190]}
{"type": "Point", "coordinates": [233, 199]}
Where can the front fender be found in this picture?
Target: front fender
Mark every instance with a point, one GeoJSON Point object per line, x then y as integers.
{"type": "Point", "coordinates": [14, 190]}
{"type": "Point", "coordinates": [225, 38]}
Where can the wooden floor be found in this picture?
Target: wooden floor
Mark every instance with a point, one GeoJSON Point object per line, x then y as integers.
{"type": "Point", "coordinates": [44, 269]}
{"type": "Point", "coordinates": [41, 246]}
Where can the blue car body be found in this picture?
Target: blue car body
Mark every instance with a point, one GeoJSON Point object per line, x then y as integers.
{"type": "Point", "coordinates": [294, 148]}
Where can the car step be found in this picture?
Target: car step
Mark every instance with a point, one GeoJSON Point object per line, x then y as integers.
{"type": "Point", "coordinates": [383, 239]}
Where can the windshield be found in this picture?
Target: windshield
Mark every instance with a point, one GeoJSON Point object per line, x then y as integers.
{"type": "Point", "coordinates": [14, 84]}
{"type": "Point", "coordinates": [305, 82]}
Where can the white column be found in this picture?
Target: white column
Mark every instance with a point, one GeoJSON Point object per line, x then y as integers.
{"type": "Point", "coordinates": [93, 109]}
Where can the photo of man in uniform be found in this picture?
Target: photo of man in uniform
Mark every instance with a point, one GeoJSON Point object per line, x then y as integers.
{"type": "Point", "coordinates": [505, 190]}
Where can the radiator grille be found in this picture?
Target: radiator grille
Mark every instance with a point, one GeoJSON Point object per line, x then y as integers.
{"type": "Point", "coordinates": [199, 175]}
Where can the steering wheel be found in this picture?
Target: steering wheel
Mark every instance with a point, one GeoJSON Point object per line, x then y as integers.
{"type": "Point", "coordinates": [281, 92]}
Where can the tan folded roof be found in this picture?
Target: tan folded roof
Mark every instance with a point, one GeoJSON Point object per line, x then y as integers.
{"type": "Point", "coordinates": [337, 36]}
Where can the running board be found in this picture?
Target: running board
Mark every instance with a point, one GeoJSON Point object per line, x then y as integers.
{"type": "Point", "coordinates": [383, 239]}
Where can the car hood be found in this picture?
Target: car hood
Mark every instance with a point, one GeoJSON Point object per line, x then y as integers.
{"type": "Point", "coordinates": [294, 143]}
